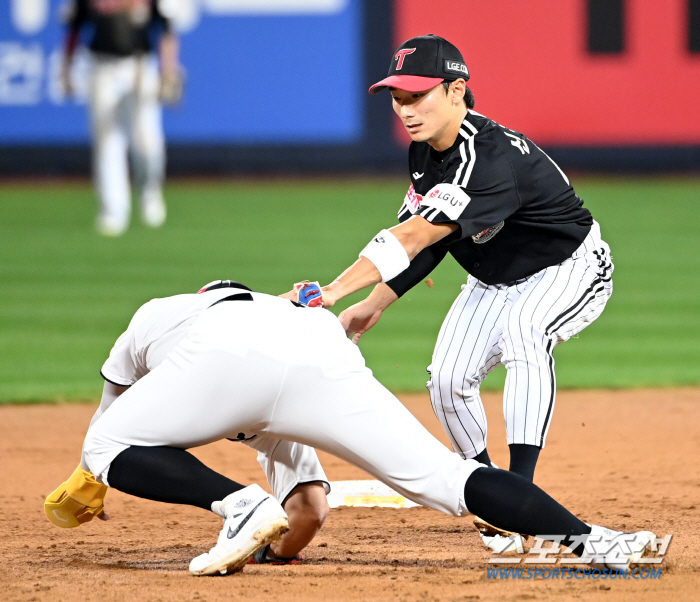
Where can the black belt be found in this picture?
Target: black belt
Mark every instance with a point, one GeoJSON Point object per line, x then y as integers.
{"type": "Point", "coordinates": [246, 297]}
{"type": "Point", "coordinates": [224, 284]}
{"type": "Point", "coordinates": [236, 297]}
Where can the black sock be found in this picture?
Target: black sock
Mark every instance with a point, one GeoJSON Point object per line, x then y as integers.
{"type": "Point", "coordinates": [508, 501]}
{"type": "Point", "coordinates": [168, 474]}
{"type": "Point", "coordinates": [483, 458]}
{"type": "Point", "coordinates": [523, 459]}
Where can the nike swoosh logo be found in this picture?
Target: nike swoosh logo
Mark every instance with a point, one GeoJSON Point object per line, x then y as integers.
{"type": "Point", "coordinates": [418, 176]}
{"type": "Point", "coordinates": [232, 533]}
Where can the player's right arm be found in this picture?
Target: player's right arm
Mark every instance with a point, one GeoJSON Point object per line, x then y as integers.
{"type": "Point", "coordinates": [386, 256]}
{"type": "Point", "coordinates": [300, 484]}
{"type": "Point", "coordinates": [307, 509]}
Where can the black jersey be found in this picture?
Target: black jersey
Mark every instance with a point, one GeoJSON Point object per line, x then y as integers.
{"type": "Point", "coordinates": [121, 27]}
{"type": "Point", "coordinates": [516, 210]}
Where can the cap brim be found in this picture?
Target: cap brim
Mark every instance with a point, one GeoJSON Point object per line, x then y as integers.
{"type": "Point", "coordinates": [410, 83]}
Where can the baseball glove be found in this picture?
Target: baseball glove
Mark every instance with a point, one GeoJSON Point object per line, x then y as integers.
{"type": "Point", "coordinates": [309, 293]}
{"type": "Point", "coordinates": [77, 501]}
{"type": "Point", "coordinates": [171, 87]}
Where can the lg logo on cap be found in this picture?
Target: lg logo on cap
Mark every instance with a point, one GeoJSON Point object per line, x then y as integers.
{"type": "Point", "coordinates": [401, 55]}
{"type": "Point", "coordinates": [456, 67]}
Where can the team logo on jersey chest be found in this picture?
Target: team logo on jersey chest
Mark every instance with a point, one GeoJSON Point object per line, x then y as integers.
{"type": "Point", "coordinates": [488, 234]}
{"type": "Point", "coordinates": [413, 199]}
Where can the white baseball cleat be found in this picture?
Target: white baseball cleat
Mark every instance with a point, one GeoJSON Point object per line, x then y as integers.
{"type": "Point", "coordinates": [252, 520]}
{"type": "Point", "coordinates": [500, 544]}
{"type": "Point", "coordinates": [153, 211]}
{"type": "Point", "coordinates": [499, 540]}
{"type": "Point", "coordinates": [110, 226]}
{"type": "Point", "coordinates": [606, 548]}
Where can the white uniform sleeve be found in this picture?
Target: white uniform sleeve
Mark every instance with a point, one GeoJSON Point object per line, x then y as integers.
{"type": "Point", "coordinates": [124, 366]}
{"type": "Point", "coordinates": [287, 464]}
{"type": "Point", "coordinates": [120, 367]}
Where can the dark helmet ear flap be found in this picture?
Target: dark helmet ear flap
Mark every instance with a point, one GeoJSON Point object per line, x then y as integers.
{"type": "Point", "coordinates": [222, 284]}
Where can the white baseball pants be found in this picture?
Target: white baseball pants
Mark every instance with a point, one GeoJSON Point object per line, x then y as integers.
{"type": "Point", "coordinates": [266, 366]}
{"type": "Point", "coordinates": [517, 326]}
{"type": "Point", "coordinates": [125, 114]}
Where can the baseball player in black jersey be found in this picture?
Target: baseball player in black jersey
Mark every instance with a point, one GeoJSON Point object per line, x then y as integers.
{"type": "Point", "coordinates": [538, 269]}
{"type": "Point", "coordinates": [125, 90]}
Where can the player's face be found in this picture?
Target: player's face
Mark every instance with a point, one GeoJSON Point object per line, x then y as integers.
{"type": "Point", "coordinates": [430, 116]}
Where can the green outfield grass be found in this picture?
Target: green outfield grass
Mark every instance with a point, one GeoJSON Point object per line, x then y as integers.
{"type": "Point", "coordinates": [67, 293]}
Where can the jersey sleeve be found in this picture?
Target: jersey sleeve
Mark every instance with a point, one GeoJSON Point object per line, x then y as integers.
{"type": "Point", "coordinates": [287, 464]}
{"type": "Point", "coordinates": [478, 191]}
{"type": "Point", "coordinates": [423, 263]}
{"type": "Point", "coordinates": [120, 367]}
{"type": "Point", "coordinates": [125, 366]}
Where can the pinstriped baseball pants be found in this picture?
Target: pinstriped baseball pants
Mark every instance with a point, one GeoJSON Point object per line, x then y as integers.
{"type": "Point", "coordinates": [517, 326]}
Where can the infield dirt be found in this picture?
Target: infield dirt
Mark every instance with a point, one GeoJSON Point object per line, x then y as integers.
{"type": "Point", "coordinates": [625, 459]}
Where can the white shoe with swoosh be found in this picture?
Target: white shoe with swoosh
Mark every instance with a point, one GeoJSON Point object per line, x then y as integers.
{"type": "Point", "coordinates": [252, 520]}
{"type": "Point", "coordinates": [606, 548]}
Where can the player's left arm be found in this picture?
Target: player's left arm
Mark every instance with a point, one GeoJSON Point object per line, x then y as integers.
{"type": "Point", "coordinates": [171, 72]}
{"type": "Point", "coordinates": [81, 498]}
{"type": "Point", "coordinates": [386, 256]}
{"type": "Point", "coordinates": [359, 318]}
{"type": "Point", "coordinates": [169, 53]}
{"type": "Point", "coordinates": [110, 392]}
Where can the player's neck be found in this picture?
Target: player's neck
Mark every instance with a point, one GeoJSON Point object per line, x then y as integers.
{"type": "Point", "coordinates": [450, 132]}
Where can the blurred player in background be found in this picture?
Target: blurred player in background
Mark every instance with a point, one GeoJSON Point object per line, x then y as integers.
{"type": "Point", "coordinates": [125, 92]}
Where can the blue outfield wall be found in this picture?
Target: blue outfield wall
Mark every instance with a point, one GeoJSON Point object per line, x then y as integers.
{"type": "Point", "coordinates": [291, 77]}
